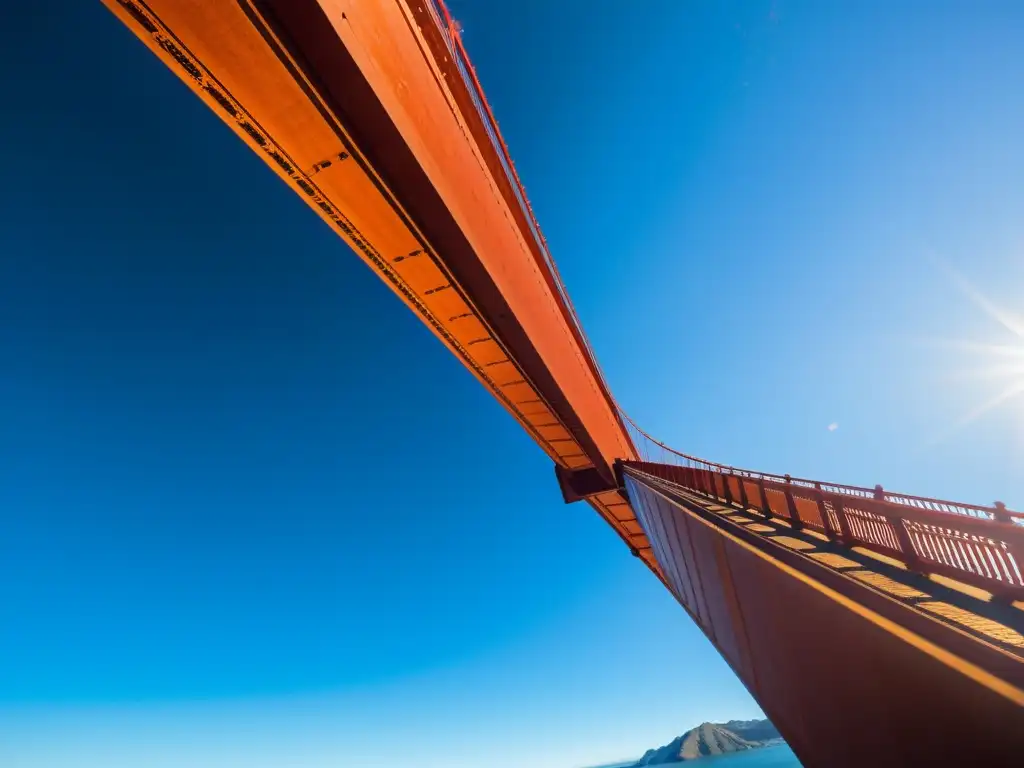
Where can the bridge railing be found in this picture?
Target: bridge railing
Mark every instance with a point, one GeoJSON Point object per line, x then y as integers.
{"type": "Point", "coordinates": [652, 450]}
{"type": "Point", "coordinates": [978, 545]}
{"type": "Point", "coordinates": [986, 553]}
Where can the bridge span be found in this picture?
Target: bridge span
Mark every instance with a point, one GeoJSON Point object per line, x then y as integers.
{"type": "Point", "coordinates": [873, 628]}
{"type": "Point", "coordinates": [371, 113]}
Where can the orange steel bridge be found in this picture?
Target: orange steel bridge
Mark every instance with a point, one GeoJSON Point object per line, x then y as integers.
{"type": "Point", "coordinates": [873, 628]}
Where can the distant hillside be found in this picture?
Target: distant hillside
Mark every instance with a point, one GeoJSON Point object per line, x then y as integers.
{"type": "Point", "coordinates": [713, 739]}
{"type": "Point", "coordinates": [753, 730]}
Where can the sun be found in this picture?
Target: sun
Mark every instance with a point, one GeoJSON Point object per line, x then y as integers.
{"type": "Point", "coordinates": [1002, 364]}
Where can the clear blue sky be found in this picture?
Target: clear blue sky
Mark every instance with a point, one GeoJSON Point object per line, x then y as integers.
{"type": "Point", "coordinates": [755, 206]}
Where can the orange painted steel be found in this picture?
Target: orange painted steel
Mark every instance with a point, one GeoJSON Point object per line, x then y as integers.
{"type": "Point", "coordinates": [370, 112]}
{"type": "Point", "coordinates": [978, 545]}
{"type": "Point", "coordinates": [985, 553]}
{"type": "Point", "coordinates": [657, 452]}
{"type": "Point", "coordinates": [850, 676]}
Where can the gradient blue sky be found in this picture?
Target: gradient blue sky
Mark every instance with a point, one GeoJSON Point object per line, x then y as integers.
{"type": "Point", "coordinates": [756, 207]}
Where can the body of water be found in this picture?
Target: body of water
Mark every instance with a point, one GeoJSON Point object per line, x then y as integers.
{"type": "Point", "coordinates": [769, 757]}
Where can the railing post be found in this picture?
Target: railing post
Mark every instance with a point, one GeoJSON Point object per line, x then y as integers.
{"type": "Point", "coordinates": [678, 475]}
{"type": "Point", "coordinates": [910, 557]}
{"type": "Point", "coordinates": [725, 487]}
{"type": "Point", "coordinates": [823, 512]}
{"type": "Point", "coordinates": [766, 509]}
{"type": "Point", "coordinates": [845, 534]}
{"type": "Point", "coordinates": [794, 516]}
{"type": "Point", "coordinates": [1001, 515]}
{"type": "Point", "coordinates": [744, 501]}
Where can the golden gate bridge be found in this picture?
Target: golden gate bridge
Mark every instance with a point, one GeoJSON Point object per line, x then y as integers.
{"type": "Point", "coordinates": [872, 627]}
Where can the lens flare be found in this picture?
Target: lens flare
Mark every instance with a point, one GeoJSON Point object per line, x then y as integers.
{"type": "Point", "coordinates": [1001, 363]}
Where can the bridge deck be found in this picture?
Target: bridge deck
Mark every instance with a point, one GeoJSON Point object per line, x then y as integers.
{"type": "Point", "coordinates": [962, 606]}
{"type": "Point", "coordinates": [856, 659]}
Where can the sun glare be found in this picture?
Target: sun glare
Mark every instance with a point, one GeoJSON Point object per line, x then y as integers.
{"type": "Point", "coordinates": [1001, 364]}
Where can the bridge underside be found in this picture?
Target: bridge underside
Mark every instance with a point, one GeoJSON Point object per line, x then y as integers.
{"type": "Point", "coordinates": [857, 661]}
{"type": "Point", "coordinates": [361, 108]}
